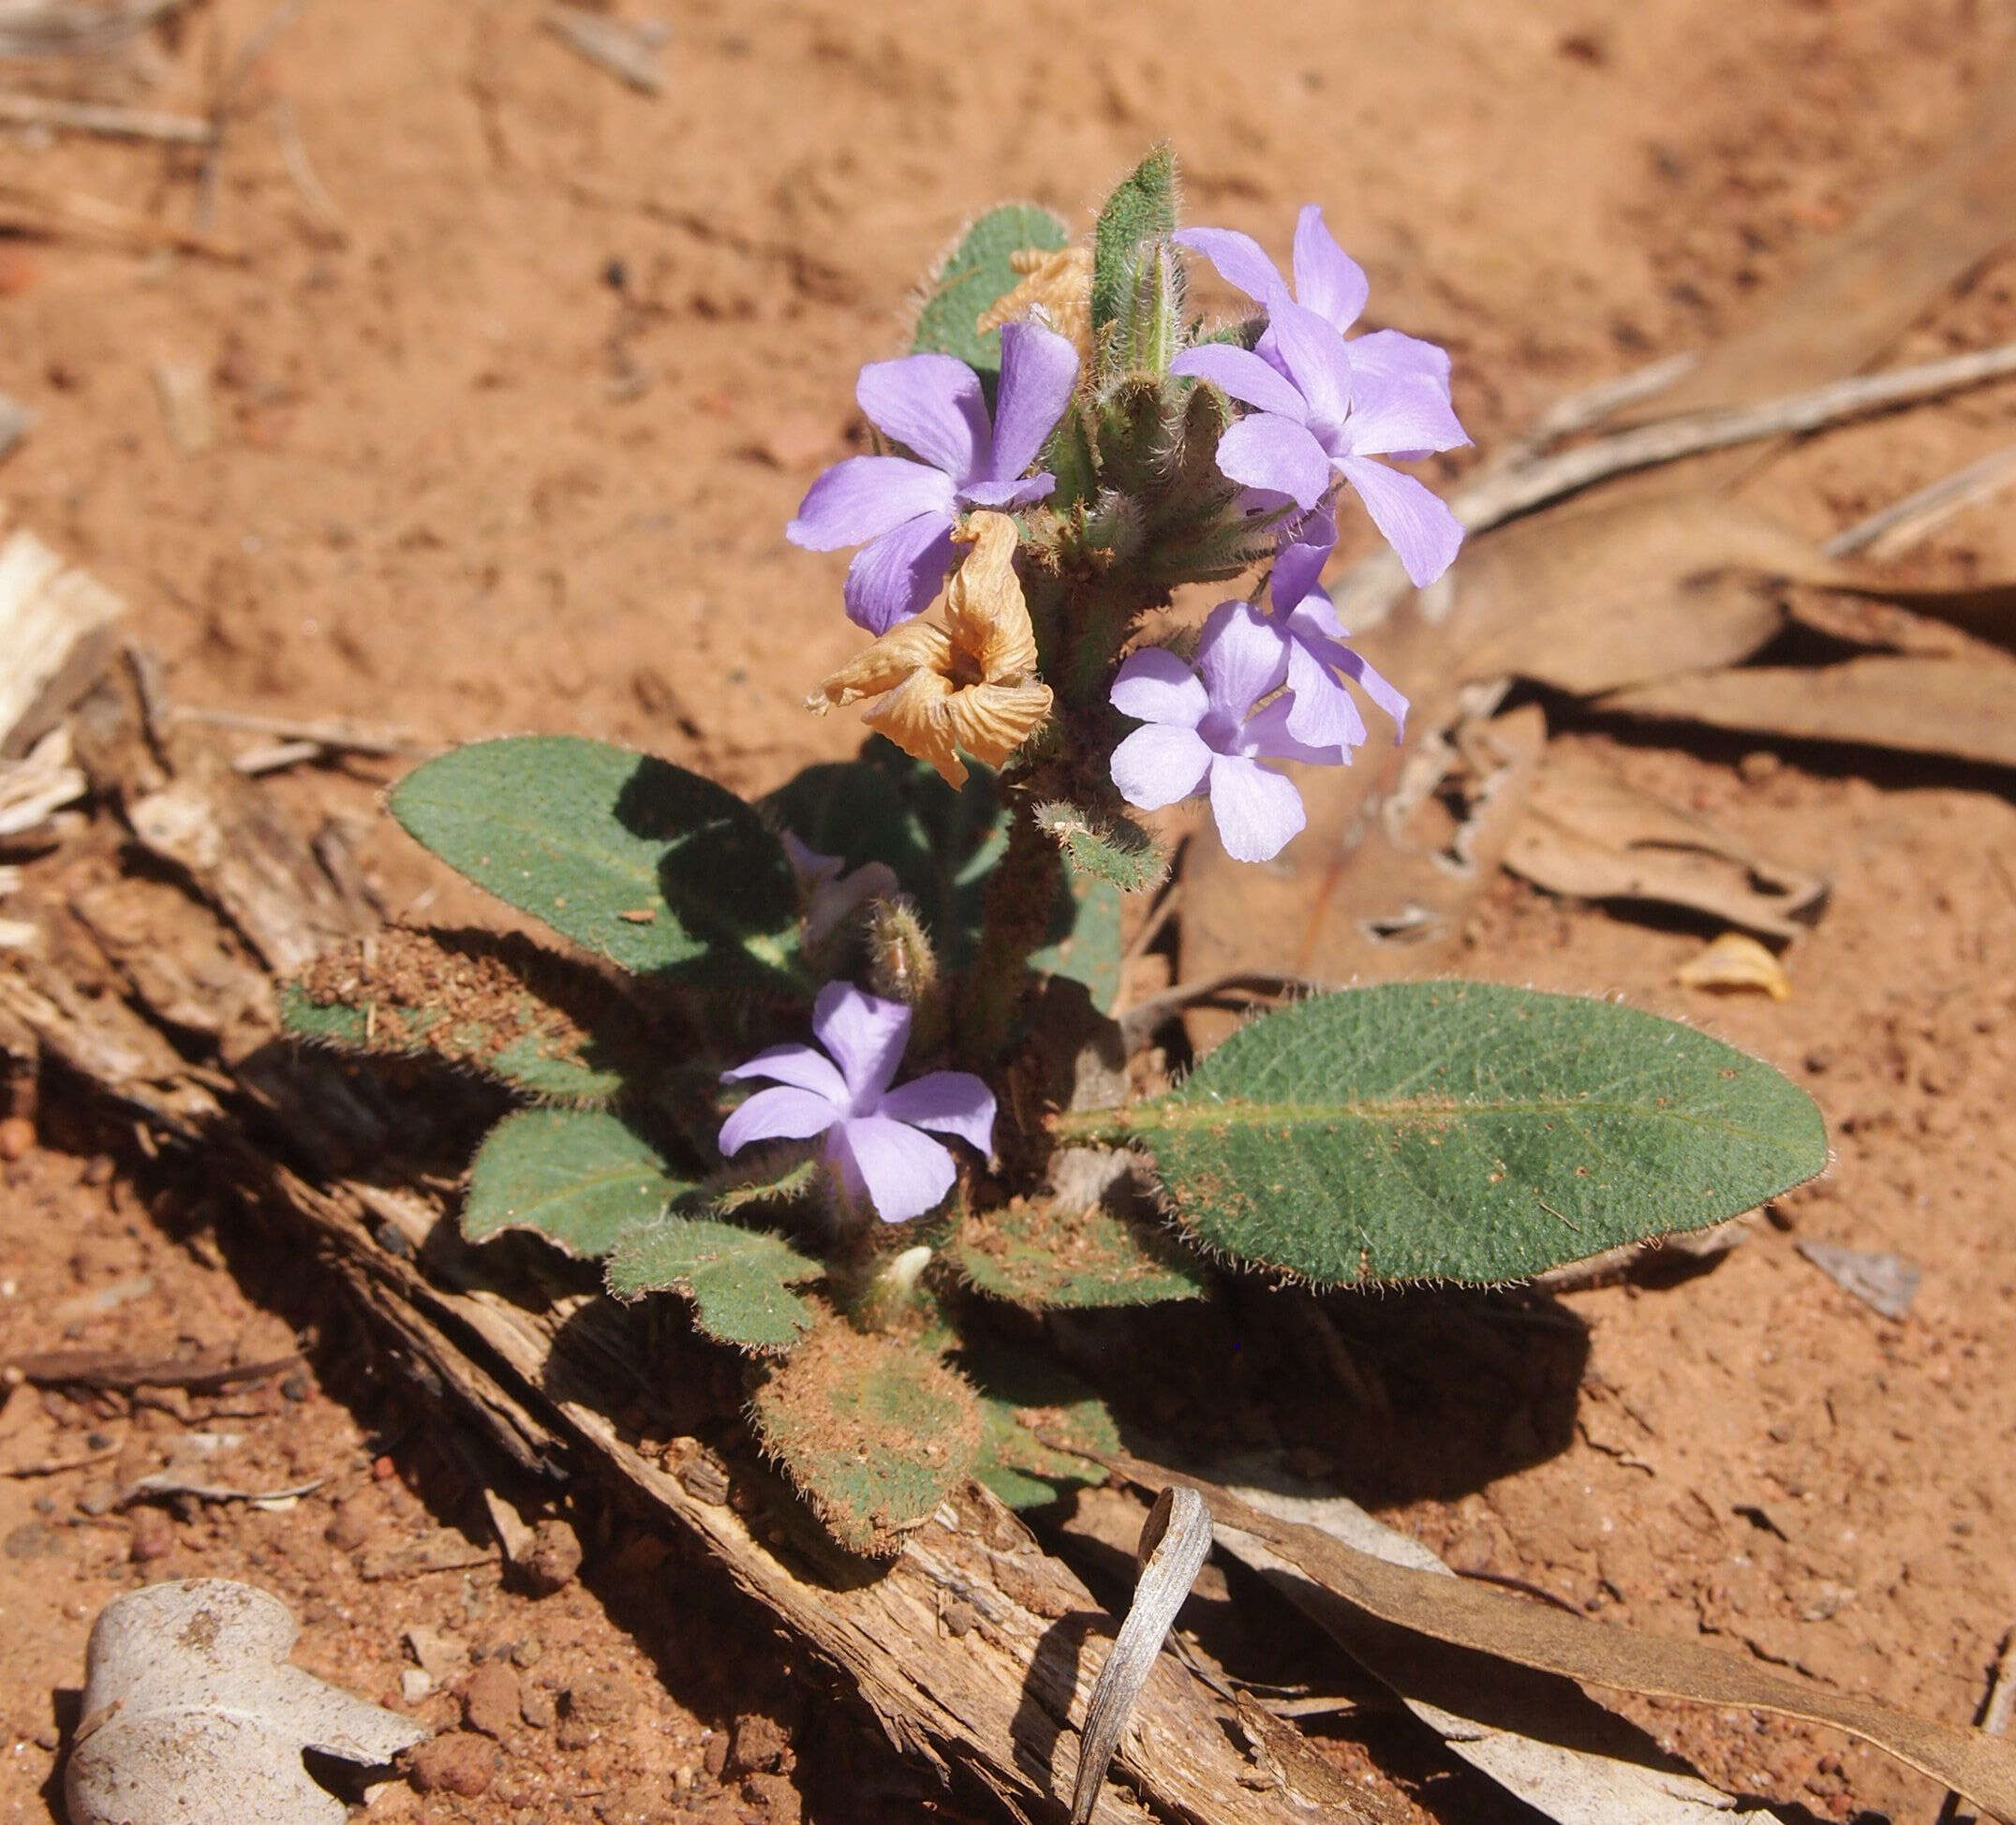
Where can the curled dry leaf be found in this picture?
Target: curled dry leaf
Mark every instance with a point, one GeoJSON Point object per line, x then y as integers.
{"type": "Point", "coordinates": [1059, 284]}
{"type": "Point", "coordinates": [971, 683]}
{"type": "Point", "coordinates": [1175, 1542]}
{"type": "Point", "coordinates": [1529, 1634]}
{"type": "Point", "coordinates": [1736, 960]}
{"type": "Point", "coordinates": [192, 1715]}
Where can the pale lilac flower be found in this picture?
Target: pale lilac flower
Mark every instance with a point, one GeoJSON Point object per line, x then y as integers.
{"type": "Point", "coordinates": [1327, 281]}
{"type": "Point", "coordinates": [1321, 712]}
{"type": "Point", "coordinates": [901, 512]}
{"type": "Point", "coordinates": [1203, 734]}
{"type": "Point", "coordinates": [829, 891]}
{"type": "Point", "coordinates": [841, 1088]}
{"type": "Point", "coordinates": [1314, 421]}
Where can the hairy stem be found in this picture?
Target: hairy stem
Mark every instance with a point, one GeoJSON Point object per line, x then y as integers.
{"type": "Point", "coordinates": [1021, 895]}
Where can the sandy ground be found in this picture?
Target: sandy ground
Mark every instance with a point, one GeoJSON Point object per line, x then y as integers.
{"type": "Point", "coordinates": [513, 450]}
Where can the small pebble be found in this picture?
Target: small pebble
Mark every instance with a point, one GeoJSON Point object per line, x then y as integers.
{"type": "Point", "coordinates": [535, 1706]}
{"type": "Point", "coordinates": [459, 1762]}
{"type": "Point", "coordinates": [415, 1683]}
{"type": "Point", "coordinates": [154, 1536]}
{"type": "Point", "coordinates": [555, 1558]}
{"type": "Point", "coordinates": [490, 1700]}
{"type": "Point", "coordinates": [295, 1387]}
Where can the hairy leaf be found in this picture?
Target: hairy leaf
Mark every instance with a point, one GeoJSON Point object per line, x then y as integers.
{"type": "Point", "coordinates": [874, 1431]}
{"type": "Point", "coordinates": [577, 1177]}
{"type": "Point", "coordinates": [1020, 1396]}
{"type": "Point", "coordinates": [1036, 1253]}
{"type": "Point", "coordinates": [656, 868]}
{"type": "Point", "coordinates": [974, 275]}
{"type": "Point", "coordinates": [1106, 845]}
{"type": "Point", "coordinates": [1464, 1131]}
{"type": "Point", "coordinates": [1140, 212]}
{"type": "Point", "coordinates": [739, 1279]}
{"type": "Point", "coordinates": [493, 1003]}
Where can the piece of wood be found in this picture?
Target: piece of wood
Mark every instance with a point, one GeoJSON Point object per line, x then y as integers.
{"type": "Point", "coordinates": [61, 28]}
{"type": "Point", "coordinates": [104, 120]}
{"type": "Point", "coordinates": [57, 629]}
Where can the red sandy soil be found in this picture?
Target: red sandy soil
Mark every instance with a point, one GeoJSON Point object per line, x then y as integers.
{"type": "Point", "coordinates": [515, 453]}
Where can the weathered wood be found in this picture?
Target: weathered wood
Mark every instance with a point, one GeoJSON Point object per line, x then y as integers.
{"type": "Point", "coordinates": [57, 629]}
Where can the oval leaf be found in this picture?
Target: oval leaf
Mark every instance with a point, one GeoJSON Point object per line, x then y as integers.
{"type": "Point", "coordinates": [874, 1431]}
{"type": "Point", "coordinates": [975, 276]}
{"type": "Point", "coordinates": [652, 867]}
{"type": "Point", "coordinates": [577, 1177]}
{"type": "Point", "coordinates": [1466, 1132]}
{"type": "Point", "coordinates": [739, 1279]}
{"type": "Point", "coordinates": [1036, 1253]}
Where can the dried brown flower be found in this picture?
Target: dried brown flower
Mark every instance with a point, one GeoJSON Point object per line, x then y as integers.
{"type": "Point", "coordinates": [1059, 284]}
{"type": "Point", "coordinates": [971, 683]}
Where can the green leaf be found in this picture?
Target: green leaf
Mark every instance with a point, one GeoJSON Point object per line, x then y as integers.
{"type": "Point", "coordinates": [1020, 1396]}
{"type": "Point", "coordinates": [1088, 947]}
{"type": "Point", "coordinates": [1105, 844]}
{"type": "Point", "coordinates": [1036, 1254]}
{"type": "Point", "coordinates": [1139, 213]}
{"type": "Point", "coordinates": [872, 1431]}
{"type": "Point", "coordinates": [739, 1279]}
{"type": "Point", "coordinates": [579, 1178]}
{"type": "Point", "coordinates": [492, 1003]}
{"type": "Point", "coordinates": [646, 864]}
{"type": "Point", "coordinates": [1467, 1132]}
{"type": "Point", "coordinates": [975, 276]}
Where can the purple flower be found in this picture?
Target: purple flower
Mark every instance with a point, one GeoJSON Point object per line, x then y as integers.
{"type": "Point", "coordinates": [841, 1088]}
{"type": "Point", "coordinates": [1314, 421]}
{"type": "Point", "coordinates": [1203, 733]}
{"type": "Point", "coordinates": [1327, 281]}
{"type": "Point", "coordinates": [828, 891]}
{"type": "Point", "coordinates": [901, 512]}
{"type": "Point", "coordinates": [1321, 712]}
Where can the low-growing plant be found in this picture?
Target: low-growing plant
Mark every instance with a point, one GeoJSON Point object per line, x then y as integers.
{"type": "Point", "coordinates": [833, 1067]}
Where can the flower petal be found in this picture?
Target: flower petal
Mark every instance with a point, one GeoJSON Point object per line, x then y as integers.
{"type": "Point", "coordinates": [1039, 368]}
{"type": "Point", "coordinates": [1390, 355]}
{"type": "Point", "coordinates": [930, 404]}
{"type": "Point", "coordinates": [1240, 260]}
{"type": "Point", "coordinates": [1157, 687]}
{"type": "Point", "coordinates": [1320, 712]}
{"type": "Point", "coordinates": [778, 1115]}
{"type": "Point", "coordinates": [1158, 765]}
{"type": "Point", "coordinates": [1315, 357]}
{"type": "Point", "coordinates": [863, 498]}
{"type": "Point", "coordinates": [865, 1036]}
{"type": "Point", "coordinates": [1368, 680]}
{"type": "Point", "coordinates": [895, 578]}
{"type": "Point", "coordinates": [1267, 451]}
{"type": "Point", "coordinates": [951, 1101]}
{"type": "Point", "coordinates": [900, 1171]}
{"type": "Point", "coordinates": [1299, 563]}
{"type": "Point", "coordinates": [1006, 497]}
{"type": "Point", "coordinates": [1267, 737]}
{"type": "Point", "coordinates": [1424, 534]}
{"type": "Point", "coordinates": [1326, 279]}
{"type": "Point", "coordinates": [1408, 413]}
{"type": "Point", "coordinates": [1257, 811]}
{"type": "Point", "coordinates": [1243, 375]}
{"type": "Point", "coordinates": [803, 1066]}
{"type": "Point", "coordinates": [1242, 656]}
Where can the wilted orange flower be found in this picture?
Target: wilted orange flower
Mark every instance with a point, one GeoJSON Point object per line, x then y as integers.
{"type": "Point", "coordinates": [1059, 284]}
{"type": "Point", "coordinates": [971, 683]}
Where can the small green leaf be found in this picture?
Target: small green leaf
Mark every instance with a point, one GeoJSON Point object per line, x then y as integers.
{"type": "Point", "coordinates": [975, 276]}
{"type": "Point", "coordinates": [652, 867]}
{"type": "Point", "coordinates": [489, 1001]}
{"type": "Point", "coordinates": [1034, 1253]}
{"type": "Point", "coordinates": [1139, 214]}
{"type": "Point", "coordinates": [1467, 1132]}
{"type": "Point", "coordinates": [1088, 945]}
{"type": "Point", "coordinates": [739, 1279]}
{"type": "Point", "coordinates": [579, 1178]}
{"type": "Point", "coordinates": [1105, 844]}
{"type": "Point", "coordinates": [1020, 1396]}
{"type": "Point", "coordinates": [872, 1431]}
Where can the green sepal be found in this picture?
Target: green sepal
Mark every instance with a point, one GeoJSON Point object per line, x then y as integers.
{"type": "Point", "coordinates": [739, 1279]}
{"type": "Point", "coordinates": [580, 1178]}
{"type": "Point", "coordinates": [1464, 1131]}
{"type": "Point", "coordinates": [1106, 844]}
{"type": "Point", "coordinates": [1139, 214]}
{"type": "Point", "coordinates": [872, 1429]}
{"type": "Point", "coordinates": [977, 275]}
{"type": "Point", "coordinates": [657, 869]}
{"type": "Point", "coordinates": [493, 1003]}
{"type": "Point", "coordinates": [1037, 1256]}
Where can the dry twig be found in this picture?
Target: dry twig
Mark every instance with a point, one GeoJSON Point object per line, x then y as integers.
{"type": "Point", "coordinates": [103, 119]}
